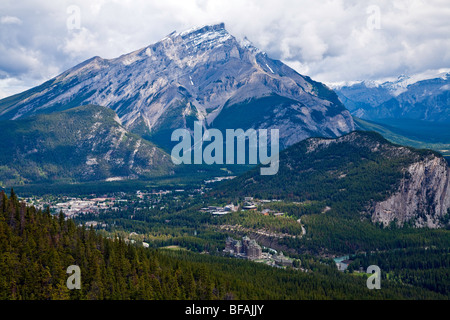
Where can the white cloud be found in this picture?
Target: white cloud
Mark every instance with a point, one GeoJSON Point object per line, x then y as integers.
{"type": "Point", "coordinates": [12, 86]}
{"type": "Point", "coordinates": [327, 40]}
{"type": "Point", "coordinates": [10, 20]}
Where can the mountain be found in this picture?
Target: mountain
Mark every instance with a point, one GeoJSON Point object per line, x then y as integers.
{"type": "Point", "coordinates": [418, 98]}
{"type": "Point", "coordinates": [357, 175]}
{"type": "Point", "coordinates": [201, 74]}
{"type": "Point", "coordinates": [86, 143]}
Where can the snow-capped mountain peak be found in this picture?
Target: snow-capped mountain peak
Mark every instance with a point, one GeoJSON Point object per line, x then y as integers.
{"type": "Point", "coordinates": [188, 76]}
{"type": "Point", "coordinates": [402, 81]}
{"type": "Point", "coordinates": [209, 35]}
{"type": "Point", "coordinates": [215, 30]}
{"type": "Point", "coordinates": [246, 43]}
{"type": "Point", "coordinates": [422, 96]}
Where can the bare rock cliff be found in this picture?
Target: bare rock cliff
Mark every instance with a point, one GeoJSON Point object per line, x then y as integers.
{"type": "Point", "coordinates": [423, 197]}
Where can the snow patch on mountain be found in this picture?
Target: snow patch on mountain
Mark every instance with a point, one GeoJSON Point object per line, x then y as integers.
{"type": "Point", "coordinates": [396, 85]}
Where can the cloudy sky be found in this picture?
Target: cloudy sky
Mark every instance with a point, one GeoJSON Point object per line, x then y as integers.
{"type": "Point", "coordinates": [329, 40]}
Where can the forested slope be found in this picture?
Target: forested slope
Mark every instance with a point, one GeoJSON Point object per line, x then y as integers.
{"type": "Point", "coordinates": [36, 249]}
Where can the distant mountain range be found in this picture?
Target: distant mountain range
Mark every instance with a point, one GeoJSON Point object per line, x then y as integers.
{"type": "Point", "coordinates": [201, 74]}
{"type": "Point", "coordinates": [406, 98]}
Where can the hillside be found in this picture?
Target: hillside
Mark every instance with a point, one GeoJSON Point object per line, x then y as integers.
{"type": "Point", "coordinates": [36, 248]}
{"type": "Point", "coordinates": [86, 143]}
{"type": "Point", "coordinates": [357, 175]}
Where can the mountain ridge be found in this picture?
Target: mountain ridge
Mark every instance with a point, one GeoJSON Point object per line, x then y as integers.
{"type": "Point", "coordinates": [86, 143]}
{"type": "Point", "coordinates": [406, 98]}
{"type": "Point", "coordinates": [188, 76]}
{"type": "Point", "coordinates": [358, 175]}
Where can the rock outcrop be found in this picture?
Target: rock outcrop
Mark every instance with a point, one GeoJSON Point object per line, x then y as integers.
{"type": "Point", "coordinates": [422, 198]}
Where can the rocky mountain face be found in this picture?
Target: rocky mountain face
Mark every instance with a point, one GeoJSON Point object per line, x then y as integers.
{"type": "Point", "coordinates": [87, 143]}
{"type": "Point", "coordinates": [201, 74]}
{"type": "Point", "coordinates": [407, 98]}
{"type": "Point", "coordinates": [359, 174]}
{"type": "Point", "coordinates": [423, 197]}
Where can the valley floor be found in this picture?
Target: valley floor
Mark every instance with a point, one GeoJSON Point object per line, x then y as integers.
{"type": "Point", "coordinates": [173, 219]}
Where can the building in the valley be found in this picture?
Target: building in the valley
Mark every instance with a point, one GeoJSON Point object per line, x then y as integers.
{"type": "Point", "coordinates": [216, 210]}
{"type": "Point", "coordinates": [278, 214]}
{"type": "Point", "coordinates": [248, 248]}
{"type": "Point", "coordinates": [282, 260]}
{"type": "Point", "coordinates": [249, 206]}
{"type": "Point", "coordinates": [253, 250]}
{"type": "Point", "coordinates": [343, 265]}
{"type": "Point", "coordinates": [233, 246]}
